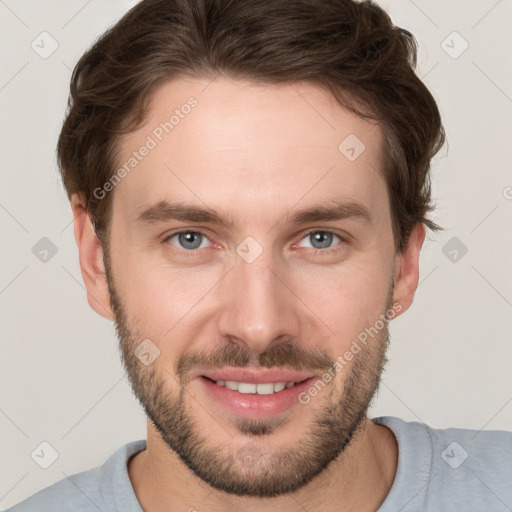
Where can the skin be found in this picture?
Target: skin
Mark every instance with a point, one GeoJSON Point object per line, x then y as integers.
{"type": "Point", "coordinates": [255, 153]}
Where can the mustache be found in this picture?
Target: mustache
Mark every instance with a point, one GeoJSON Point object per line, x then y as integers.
{"type": "Point", "coordinates": [284, 355]}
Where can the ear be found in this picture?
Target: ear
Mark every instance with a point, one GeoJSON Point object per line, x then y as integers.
{"type": "Point", "coordinates": [91, 260]}
{"type": "Point", "coordinates": [407, 268]}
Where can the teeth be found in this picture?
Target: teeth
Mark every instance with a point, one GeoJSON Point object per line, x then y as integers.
{"type": "Point", "coordinates": [244, 387]}
{"type": "Point", "coordinates": [266, 388]}
{"type": "Point", "coordinates": [279, 386]}
{"type": "Point", "coordinates": [263, 389]}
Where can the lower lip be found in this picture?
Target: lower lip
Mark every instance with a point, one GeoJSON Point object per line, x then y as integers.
{"type": "Point", "coordinates": [250, 405]}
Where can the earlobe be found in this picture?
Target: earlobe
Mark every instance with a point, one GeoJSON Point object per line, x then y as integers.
{"type": "Point", "coordinates": [406, 272]}
{"type": "Point", "coordinates": [91, 259]}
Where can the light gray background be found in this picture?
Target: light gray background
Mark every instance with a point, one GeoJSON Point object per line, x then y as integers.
{"type": "Point", "coordinates": [61, 380]}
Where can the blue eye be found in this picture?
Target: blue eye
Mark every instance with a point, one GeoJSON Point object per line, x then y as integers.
{"type": "Point", "coordinates": [321, 239]}
{"type": "Point", "coordinates": [189, 240]}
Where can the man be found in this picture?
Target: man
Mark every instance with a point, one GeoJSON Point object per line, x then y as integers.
{"type": "Point", "coordinates": [250, 186]}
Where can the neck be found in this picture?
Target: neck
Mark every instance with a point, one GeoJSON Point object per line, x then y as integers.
{"type": "Point", "coordinates": [360, 478]}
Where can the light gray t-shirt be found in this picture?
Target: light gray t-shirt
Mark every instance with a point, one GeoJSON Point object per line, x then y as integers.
{"type": "Point", "coordinates": [439, 470]}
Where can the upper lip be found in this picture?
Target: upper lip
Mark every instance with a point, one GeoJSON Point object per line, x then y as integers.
{"type": "Point", "coordinates": [256, 375]}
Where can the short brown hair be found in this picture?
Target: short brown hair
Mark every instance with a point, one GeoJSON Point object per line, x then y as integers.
{"type": "Point", "coordinates": [350, 48]}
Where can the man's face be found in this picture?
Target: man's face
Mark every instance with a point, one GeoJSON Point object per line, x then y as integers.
{"type": "Point", "coordinates": [265, 298]}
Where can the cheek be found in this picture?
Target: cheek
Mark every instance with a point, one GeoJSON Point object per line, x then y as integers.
{"type": "Point", "coordinates": [348, 300]}
{"type": "Point", "coordinates": [160, 300]}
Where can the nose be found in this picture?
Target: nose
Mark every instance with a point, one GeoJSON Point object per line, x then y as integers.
{"type": "Point", "coordinates": [258, 308]}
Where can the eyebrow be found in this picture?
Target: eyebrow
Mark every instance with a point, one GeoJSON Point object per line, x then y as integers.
{"type": "Point", "coordinates": [334, 210]}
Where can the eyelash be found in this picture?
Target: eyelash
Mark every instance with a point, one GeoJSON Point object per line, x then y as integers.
{"type": "Point", "coordinates": [316, 252]}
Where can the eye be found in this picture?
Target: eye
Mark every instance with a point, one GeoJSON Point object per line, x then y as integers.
{"type": "Point", "coordinates": [321, 240]}
{"type": "Point", "coordinates": [189, 241]}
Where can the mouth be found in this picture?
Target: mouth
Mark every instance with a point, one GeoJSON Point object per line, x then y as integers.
{"type": "Point", "coordinates": [254, 393]}
{"type": "Point", "coordinates": [250, 388]}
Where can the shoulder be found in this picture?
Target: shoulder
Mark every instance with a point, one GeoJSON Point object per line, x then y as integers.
{"type": "Point", "coordinates": [451, 468]}
{"type": "Point", "coordinates": [64, 495]}
{"type": "Point", "coordinates": [490, 449]}
{"type": "Point", "coordinates": [455, 446]}
{"type": "Point", "coordinates": [90, 490]}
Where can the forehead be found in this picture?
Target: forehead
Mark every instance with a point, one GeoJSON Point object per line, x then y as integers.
{"type": "Point", "coordinates": [245, 147]}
